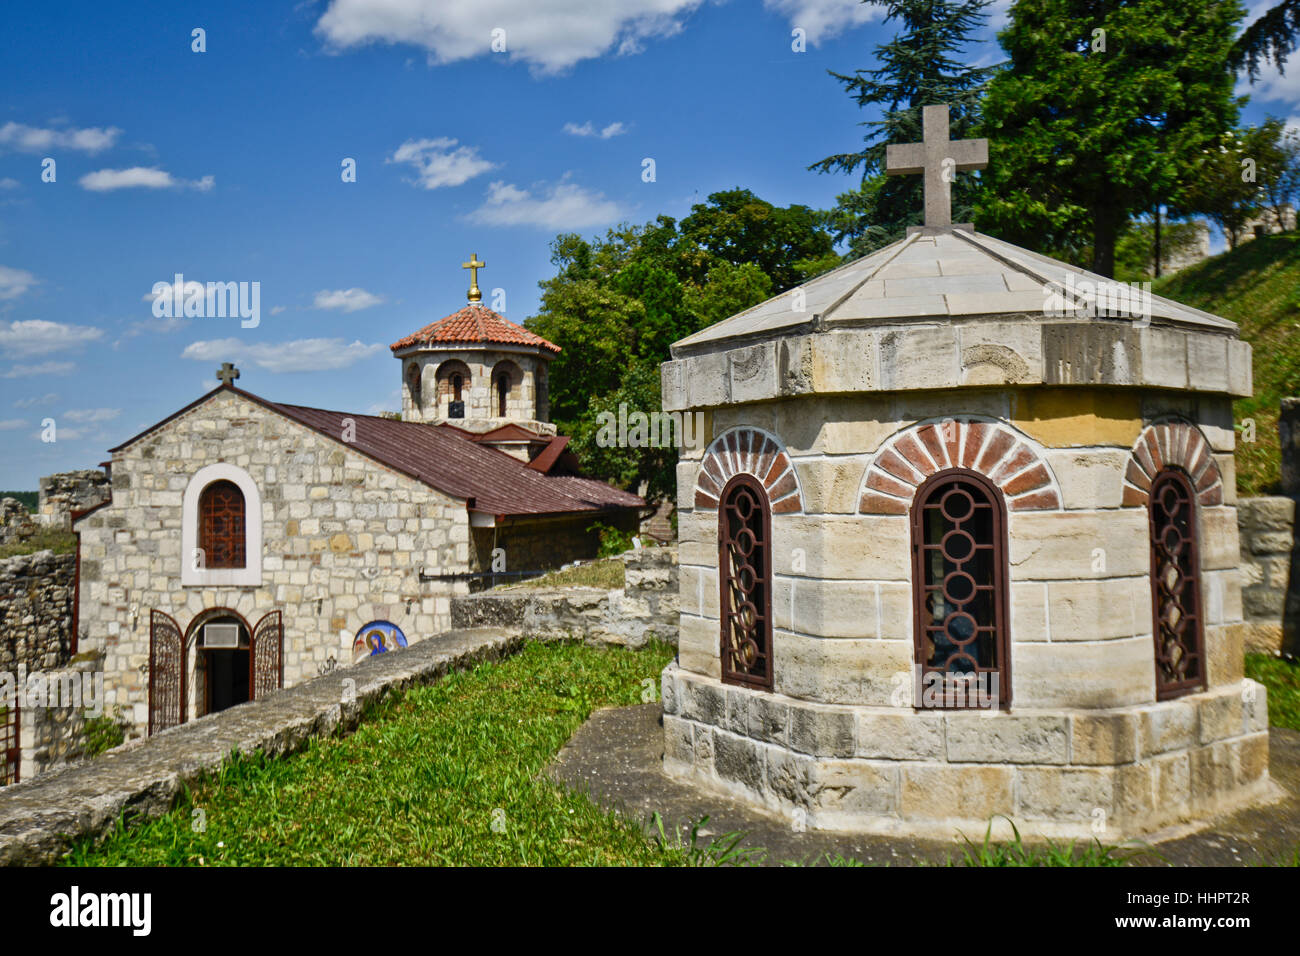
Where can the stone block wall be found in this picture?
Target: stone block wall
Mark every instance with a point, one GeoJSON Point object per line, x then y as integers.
{"type": "Point", "coordinates": [70, 491]}
{"type": "Point", "coordinates": [36, 593]}
{"type": "Point", "coordinates": [646, 605]}
{"type": "Point", "coordinates": [1080, 600]}
{"type": "Point", "coordinates": [543, 544]}
{"type": "Point", "coordinates": [15, 523]}
{"type": "Point", "coordinates": [344, 541]}
{"type": "Point", "coordinates": [55, 735]}
{"type": "Point", "coordinates": [526, 400]}
{"type": "Point", "coordinates": [1266, 529]}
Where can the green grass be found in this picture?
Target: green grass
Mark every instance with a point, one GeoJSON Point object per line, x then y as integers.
{"type": "Point", "coordinates": [1281, 677]}
{"type": "Point", "coordinates": [1015, 852]}
{"type": "Point", "coordinates": [608, 573]}
{"type": "Point", "coordinates": [45, 539]}
{"type": "Point", "coordinates": [422, 781]}
{"type": "Point", "coordinates": [1257, 285]}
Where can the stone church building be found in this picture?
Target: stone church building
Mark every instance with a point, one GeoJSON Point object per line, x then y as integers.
{"type": "Point", "coordinates": [962, 542]}
{"type": "Point", "coordinates": [252, 544]}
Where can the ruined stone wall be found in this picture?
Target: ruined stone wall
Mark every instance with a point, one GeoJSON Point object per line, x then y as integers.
{"type": "Point", "coordinates": [71, 491]}
{"type": "Point", "coordinates": [36, 593]}
{"type": "Point", "coordinates": [344, 541]}
{"type": "Point", "coordinates": [544, 544]}
{"type": "Point", "coordinates": [54, 734]}
{"type": "Point", "coordinates": [1265, 526]}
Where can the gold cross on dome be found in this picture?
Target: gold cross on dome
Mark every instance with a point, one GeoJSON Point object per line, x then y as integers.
{"type": "Point", "coordinates": [473, 266]}
{"type": "Point", "coordinates": [936, 159]}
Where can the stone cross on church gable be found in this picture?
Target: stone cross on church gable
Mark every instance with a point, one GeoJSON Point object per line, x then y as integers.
{"type": "Point", "coordinates": [936, 159]}
{"type": "Point", "coordinates": [227, 374]}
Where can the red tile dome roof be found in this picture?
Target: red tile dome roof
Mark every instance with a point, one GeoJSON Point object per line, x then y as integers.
{"type": "Point", "coordinates": [473, 325]}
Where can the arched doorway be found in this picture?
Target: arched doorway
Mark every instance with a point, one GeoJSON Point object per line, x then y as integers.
{"type": "Point", "coordinates": [222, 642]}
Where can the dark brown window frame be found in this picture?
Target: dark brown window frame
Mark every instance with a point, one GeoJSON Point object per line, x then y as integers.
{"type": "Point", "coordinates": [1001, 574]}
{"type": "Point", "coordinates": [229, 551]}
{"type": "Point", "coordinates": [1173, 475]}
{"type": "Point", "coordinates": [761, 680]}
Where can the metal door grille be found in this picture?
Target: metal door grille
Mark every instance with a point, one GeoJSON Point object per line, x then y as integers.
{"type": "Point", "coordinates": [745, 564]}
{"type": "Point", "coordinates": [1175, 586]}
{"type": "Point", "coordinates": [267, 656]}
{"type": "Point", "coordinates": [166, 673]}
{"type": "Point", "coordinates": [11, 754]}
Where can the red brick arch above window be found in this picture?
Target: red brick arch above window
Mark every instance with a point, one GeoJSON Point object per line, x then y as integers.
{"type": "Point", "coordinates": [1172, 443]}
{"type": "Point", "coordinates": [1008, 459]}
{"type": "Point", "coordinates": [750, 451]}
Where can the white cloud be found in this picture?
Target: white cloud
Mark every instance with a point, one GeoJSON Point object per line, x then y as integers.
{"type": "Point", "coordinates": [37, 400]}
{"type": "Point", "coordinates": [440, 162]}
{"type": "Point", "coordinates": [31, 139]}
{"type": "Point", "coordinates": [8, 183]}
{"type": "Point", "coordinates": [10, 424]}
{"type": "Point", "coordinates": [39, 337]}
{"type": "Point", "coordinates": [823, 19]}
{"type": "Point", "coordinates": [277, 309]}
{"type": "Point", "coordinates": [14, 282]}
{"type": "Point", "coordinates": [301, 355]}
{"type": "Point", "coordinates": [160, 326]}
{"type": "Point", "coordinates": [589, 129]}
{"type": "Point", "coordinates": [550, 36]}
{"type": "Point", "coordinates": [141, 177]}
{"type": "Point", "coordinates": [346, 300]}
{"type": "Point", "coordinates": [562, 206]}
{"type": "Point", "coordinates": [85, 415]}
{"type": "Point", "coordinates": [45, 368]}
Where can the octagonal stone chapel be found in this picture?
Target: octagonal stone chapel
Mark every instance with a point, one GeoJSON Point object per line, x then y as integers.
{"type": "Point", "coordinates": [961, 544]}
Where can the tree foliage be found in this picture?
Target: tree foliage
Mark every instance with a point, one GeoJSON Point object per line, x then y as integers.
{"type": "Point", "coordinates": [918, 67]}
{"type": "Point", "coordinates": [617, 303]}
{"type": "Point", "coordinates": [1101, 113]}
{"type": "Point", "coordinates": [1271, 38]}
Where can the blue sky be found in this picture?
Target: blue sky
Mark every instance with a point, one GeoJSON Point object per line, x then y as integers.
{"type": "Point", "coordinates": [224, 166]}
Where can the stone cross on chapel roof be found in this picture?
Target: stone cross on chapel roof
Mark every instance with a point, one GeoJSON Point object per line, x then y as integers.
{"type": "Point", "coordinates": [937, 158]}
{"type": "Point", "coordinates": [227, 374]}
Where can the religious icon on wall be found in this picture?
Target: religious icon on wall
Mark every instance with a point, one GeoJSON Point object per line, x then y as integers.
{"type": "Point", "coordinates": [377, 637]}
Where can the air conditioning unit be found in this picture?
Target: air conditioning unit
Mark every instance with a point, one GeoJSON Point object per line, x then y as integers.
{"type": "Point", "coordinates": [221, 636]}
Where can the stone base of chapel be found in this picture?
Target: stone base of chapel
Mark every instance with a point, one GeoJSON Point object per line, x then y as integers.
{"type": "Point", "coordinates": [1110, 774]}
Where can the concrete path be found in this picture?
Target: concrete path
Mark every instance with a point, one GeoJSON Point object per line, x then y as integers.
{"type": "Point", "coordinates": [615, 757]}
{"type": "Point", "coordinates": [143, 777]}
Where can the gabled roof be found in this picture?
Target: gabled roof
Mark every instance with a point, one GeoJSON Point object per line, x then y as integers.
{"type": "Point", "coordinates": [935, 275]}
{"type": "Point", "coordinates": [475, 324]}
{"type": "Point", "coordinates": [444, 459]}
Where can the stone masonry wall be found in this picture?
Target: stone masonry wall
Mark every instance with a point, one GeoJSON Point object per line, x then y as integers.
{"type": "Point", "coordinates": [344, 540]}
{"type": "Point", "coordinates": [646, 605]}
{"type": "Point", "coordinates": [1265, 526]}
{"type": "Point", "coordinates": [36, 610]}
{"type": "Point", "coordinates": [71, 491]}
{"type": "Point", "coordinates": [55, 735]}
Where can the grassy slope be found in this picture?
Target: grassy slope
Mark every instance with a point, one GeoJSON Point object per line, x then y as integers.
{"type": "Point", "coordinates": [1257, 286]}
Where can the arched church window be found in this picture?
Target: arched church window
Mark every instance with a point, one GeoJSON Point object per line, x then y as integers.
{"type": "Point", "coordinates": [413, 382]}
{"type": "Point", "coordinates": [503, 392]}
{"type": "Point", "coordinates": [1175, 586]}
{"type": "Point", "coordinates": [457, 383]}
{"type": "Point", "coordinates": [960, 592]}
{"type": "Point", "coordinates": [221, 525]}
{"type": "Point", "coordinates": [745, 566]}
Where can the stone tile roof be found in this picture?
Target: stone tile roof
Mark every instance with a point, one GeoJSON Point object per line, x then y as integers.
{"type": "Point", "coordinates": [956, 273]}
{"type": "Point", "coordinates": [472, 325]}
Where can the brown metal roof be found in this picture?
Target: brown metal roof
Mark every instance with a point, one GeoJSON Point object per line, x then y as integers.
{"type": "Point", "coordinates": [447, 460]}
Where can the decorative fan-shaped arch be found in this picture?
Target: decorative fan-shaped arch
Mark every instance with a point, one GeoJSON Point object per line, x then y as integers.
{"type": "Point", "coordinates": [1008, 459]}
{"type": "Point", "coordinates": [1172, 442]}
{"type": "Point", "coordinates": [749, 451]}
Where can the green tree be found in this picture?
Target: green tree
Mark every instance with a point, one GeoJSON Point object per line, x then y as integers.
{"type": "Point", "coordinates": [917, 68]}
{"type": "Point", "coordinates": [1101, 113]}
{"type": "Point", "coordinates": [1226, 184]}
{"type": "Point", "coordinates": [789, 244]}
{"type": "Point", "coordinates": [1273, 37]}
{"type": "Point", "coordinates": [1279, 171]}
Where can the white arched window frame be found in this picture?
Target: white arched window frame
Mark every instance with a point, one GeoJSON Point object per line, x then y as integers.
{"type": "Point", "coordinates": [192, 574]}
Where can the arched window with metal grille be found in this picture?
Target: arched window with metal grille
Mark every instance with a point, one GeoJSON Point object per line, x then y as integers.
{"type": "Point", "coordinates": [959, 581]}
{"type": "Point", "coordinates": [745, 576]}
{"type": "Point", "coordinates": [1177, 624]}
{"type": "Point", "coordinates": [221, 525]}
